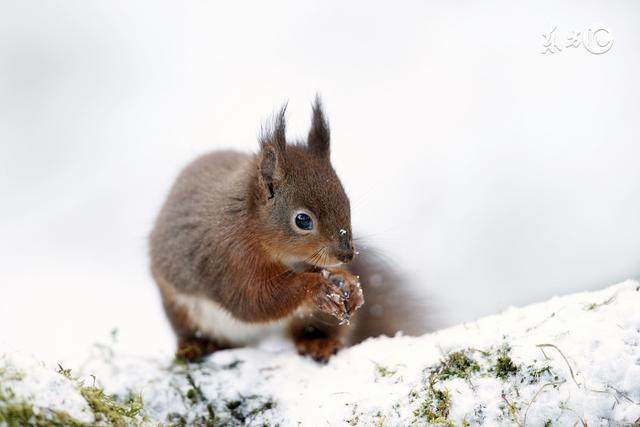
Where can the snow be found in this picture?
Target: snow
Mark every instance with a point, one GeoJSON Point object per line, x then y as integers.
{"type": "Point", "coordinates": [44, 387]}
{"type": "Point", "coordinates": [576, 360]}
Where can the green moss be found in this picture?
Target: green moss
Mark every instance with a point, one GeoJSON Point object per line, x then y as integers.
{"type": "Point", "coordinates": [384, 371]}
{"type": "Point", "coordinates": [16, 412]}
{"type": "Point", "coordinates": [504, 366]}
{"type": "Point", "coordinates": [233, 404]}
{"type": "Point", "coordinates": [195, 395]}
{"type": "Point", "coordinates": [457, 365]}
{"type": "Point", "coordinates": [65, 372]}
{"type": "Point", "coordinates": [435, 408]}
{"type": "Point", "coordinates": [436, 405]}
{"type": "Point", "coordinates": [241, 410]}
{"type": "Point", "coordinates": [246, 408]}
{"type": "Point", "coordinates": [535, 374]}
{"type": "Point", "coordinates": [466, 364]}
{"type": "Point", "coordinates": [596, 305]}
{"type": "Point", "coordinates": [176, 420]}
{"type": "Point", "coordinates": [264, 406]}
{"type": "Point", "coordinates": [105, 408]}
{"type": "Point", "coordinates": [192, 395]}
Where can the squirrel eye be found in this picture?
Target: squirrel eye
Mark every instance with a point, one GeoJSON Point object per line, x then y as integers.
{"type": "Point", "coordinates": [304, 221]}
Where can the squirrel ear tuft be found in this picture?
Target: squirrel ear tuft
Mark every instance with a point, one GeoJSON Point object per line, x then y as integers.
{"type": "Point", "coordinates": [273, 144]}
{"type": "Point", "coordinates": [270, 170]}
{"type": "Point", "coordinates": [319, 134]}
{"type": "Point", "coordinates": [274, 133]}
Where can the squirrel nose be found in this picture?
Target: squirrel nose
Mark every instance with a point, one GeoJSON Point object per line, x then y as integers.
{"type": "Point", "coordinates": [345, 255]}
{"type": "Point", "coordinates": [345, 250]}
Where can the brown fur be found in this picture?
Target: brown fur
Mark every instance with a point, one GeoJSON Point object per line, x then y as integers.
{"type": "Point", "coordinates": [225, 233]}
{"type": "Point", "coordinates": [319, 336]}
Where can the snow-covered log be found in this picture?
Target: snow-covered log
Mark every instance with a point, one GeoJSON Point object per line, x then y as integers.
{"type": "Point", "coordinates": [573, 360]}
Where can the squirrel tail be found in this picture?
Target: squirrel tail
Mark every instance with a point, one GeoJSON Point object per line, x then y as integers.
{"type": "Point", "coordinates": [390, 305]}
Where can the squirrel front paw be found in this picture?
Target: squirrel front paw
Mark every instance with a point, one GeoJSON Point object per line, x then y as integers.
{"type": "Point", "coordinates": [339, 295]}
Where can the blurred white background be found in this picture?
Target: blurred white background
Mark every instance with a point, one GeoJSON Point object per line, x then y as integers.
{"type": "Point", "coordinates": [492, 174]}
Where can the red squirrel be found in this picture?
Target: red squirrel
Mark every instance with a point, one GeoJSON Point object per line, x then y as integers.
{"type": "Point", "coordinates": [246, 244]}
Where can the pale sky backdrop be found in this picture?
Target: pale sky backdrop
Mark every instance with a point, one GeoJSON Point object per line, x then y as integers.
{"type": "Point", "coordinates": [492, 174]}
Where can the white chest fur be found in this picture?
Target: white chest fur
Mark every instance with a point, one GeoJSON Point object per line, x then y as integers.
{"type": "Point", "coordinates": [215, 322]}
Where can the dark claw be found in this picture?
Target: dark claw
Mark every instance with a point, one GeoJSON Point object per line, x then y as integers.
{"type": "Point", "coordinates": [346, 303]}
{"type": "Point", "coordinates": [345, 319]}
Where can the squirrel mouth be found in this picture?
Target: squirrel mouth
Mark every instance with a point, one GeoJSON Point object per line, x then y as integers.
{"type": "Point", "coordinates": [302, 266]}
{"type": "Point", "coordinates": [307, 265]}
{"type": "Point", "coordinates": [336, 263]}
{"type": "Point", "coordinates": [325, 262]}
{"type": "Point", "coordinates": [321, 259]}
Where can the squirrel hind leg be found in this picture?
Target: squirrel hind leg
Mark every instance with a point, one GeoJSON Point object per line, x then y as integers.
{"type": "Point", "coordinates": [193, 349]}
{"type": "Point", "coordinates": [192, 346]}
{"type": "Point", "coordinates": [318, 336]}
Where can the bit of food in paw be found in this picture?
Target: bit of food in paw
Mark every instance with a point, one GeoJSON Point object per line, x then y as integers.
{"type": "Point", "coordinates": [344, 293]}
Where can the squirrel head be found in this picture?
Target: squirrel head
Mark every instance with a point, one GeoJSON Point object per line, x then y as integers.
{"type": "Point", "coordinates": [302, 209]}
